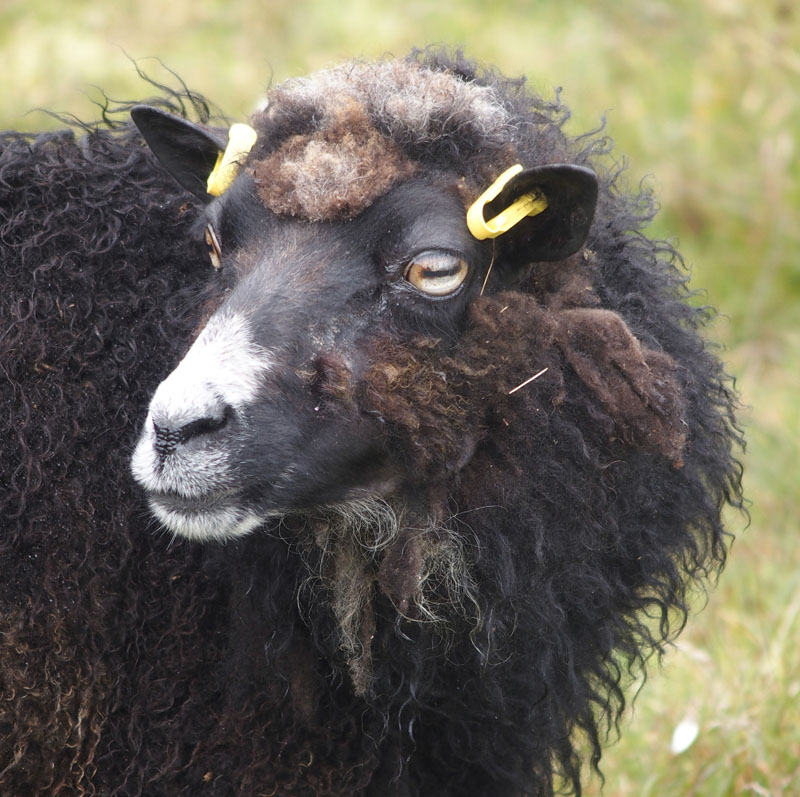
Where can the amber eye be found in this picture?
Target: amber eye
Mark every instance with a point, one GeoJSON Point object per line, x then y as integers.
{"type": "Point", "coordinates": [214, 249]}
{"type": "Point", "coordinates": [437, 273]}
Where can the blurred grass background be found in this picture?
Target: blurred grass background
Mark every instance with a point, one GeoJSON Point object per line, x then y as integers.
{"type": "Point", "coordinates": [703, 98]}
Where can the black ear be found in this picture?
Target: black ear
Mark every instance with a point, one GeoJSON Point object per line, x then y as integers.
{"type": "Point", "coordinates": [186, 150]}
{"type": "Point", "coordinates": [561, 229]}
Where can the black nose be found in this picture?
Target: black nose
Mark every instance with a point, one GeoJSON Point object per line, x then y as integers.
{"type": "Point", "coordinates": [168, 438]}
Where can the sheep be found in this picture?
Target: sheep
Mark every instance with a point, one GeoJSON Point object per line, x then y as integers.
{"type": "Point", "coordinates": [434, 442]}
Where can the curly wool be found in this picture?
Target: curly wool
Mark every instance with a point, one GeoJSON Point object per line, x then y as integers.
{"type": "Point", "coordinates": [331, 143]}
{"type": "Point", "coordinates": [590, 503]}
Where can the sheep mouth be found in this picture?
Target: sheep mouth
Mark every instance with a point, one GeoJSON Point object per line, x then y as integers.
{"type": "Point", "coordinates": [177, 502]}
{"type": "Point", "coordinates": [211, 516]}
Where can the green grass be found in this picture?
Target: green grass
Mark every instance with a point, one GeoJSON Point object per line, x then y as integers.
{"type": "Point", "coordinates": [703, 97]}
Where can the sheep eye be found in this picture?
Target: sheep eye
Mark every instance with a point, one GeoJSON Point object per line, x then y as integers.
{"type": "Point", "coordinates": [437, 273]}
{"type": "Point", "coordinates": [214, 249]}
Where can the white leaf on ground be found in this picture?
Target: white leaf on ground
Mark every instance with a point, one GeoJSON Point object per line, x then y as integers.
{"type": "Point", "coordinates": [684, 735]}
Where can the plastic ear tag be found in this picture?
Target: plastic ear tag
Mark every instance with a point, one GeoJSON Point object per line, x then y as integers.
{"type": "Point", "coordinates": [530, 204]}
{"type": "Point", "coordinates": [241, 138]}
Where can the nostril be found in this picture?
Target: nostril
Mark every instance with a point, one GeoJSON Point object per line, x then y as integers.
{"type": "Point", "coordinates": [168, 438]}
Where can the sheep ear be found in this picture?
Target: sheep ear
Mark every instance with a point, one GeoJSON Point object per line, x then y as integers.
{"type": "Point", "coordinates": [186, 150]}
{"type": "Point", "coordinates": [570, 193]}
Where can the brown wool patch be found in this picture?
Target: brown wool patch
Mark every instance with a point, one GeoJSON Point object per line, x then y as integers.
{"type": "Point", "coordinates": [638, 386]}
{"type": "Point", "coordinates": [335, 172]}
{"type": "Point", "coordinates": [400, 573]}
{"type": "Point", "coordinates": [409, 387]}
{"type": "Point", "coordinates": [437, 403]}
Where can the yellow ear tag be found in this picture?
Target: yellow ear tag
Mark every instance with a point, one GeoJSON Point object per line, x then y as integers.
{"type": "Point", "coordinates": [241, 138]}
{"type": "Point", "coordinates": [530, 204]}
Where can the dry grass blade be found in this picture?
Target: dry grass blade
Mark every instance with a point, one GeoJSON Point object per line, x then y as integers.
{"type": "Point", "coordinates": [526, 382]}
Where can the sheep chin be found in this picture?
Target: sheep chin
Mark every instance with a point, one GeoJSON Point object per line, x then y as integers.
{"type": "Point", "coordinates": [220, 524]}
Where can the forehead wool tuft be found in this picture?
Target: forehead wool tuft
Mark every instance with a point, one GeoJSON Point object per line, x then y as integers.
{"type": "Point", "coordinates": [332, 142]}
{"type": "Point", "coordinates": [334, 172]}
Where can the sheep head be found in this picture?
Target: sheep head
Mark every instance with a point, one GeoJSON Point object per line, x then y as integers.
{"type": "Point", "coordinates": [337, 248]}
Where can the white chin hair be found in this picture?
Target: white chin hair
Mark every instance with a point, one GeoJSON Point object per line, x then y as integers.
{"type": "Point", "coordinates": [209, 524]}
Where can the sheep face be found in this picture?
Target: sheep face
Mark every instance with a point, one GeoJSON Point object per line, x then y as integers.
{"type": "Point", "coordinates": [273, 408]}
{"type": "Point", "coordinates": [265, 413]}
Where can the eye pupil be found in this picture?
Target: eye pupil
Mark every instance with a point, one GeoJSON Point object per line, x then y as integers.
{"type": "Point", "coordinates": [444, 272]}
{"type": "Point", "coordinates": [437, 273]}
